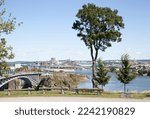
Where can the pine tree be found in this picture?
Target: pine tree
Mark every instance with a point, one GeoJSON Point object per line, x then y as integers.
{"type": "Point", "coordinates": [125, 74]}
{"type": "Point", "coordinates": [101, 75]}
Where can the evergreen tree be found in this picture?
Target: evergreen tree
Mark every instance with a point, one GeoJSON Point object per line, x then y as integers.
{"type": "Point", "coordinates": [125, 74]}
{"type": "Point", "coordinates": [102, 77]}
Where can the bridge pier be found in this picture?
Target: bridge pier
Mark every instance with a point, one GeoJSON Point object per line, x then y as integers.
{"type": "Point", "coordinates": [62, 91]}
{"type": "Point", "coordinates": [29, 91]}
{"type": "Point", "coordinates": [8, 92]}
{"type": "Point", "coordinates": [43, 91]}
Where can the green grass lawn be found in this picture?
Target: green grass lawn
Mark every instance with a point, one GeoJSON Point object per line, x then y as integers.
{"type": "Point", "coordinates": [70, 94]}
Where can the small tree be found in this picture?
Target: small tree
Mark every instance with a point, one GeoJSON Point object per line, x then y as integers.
{"type": "Point", "coordinates": [125, 74]}
{"type": "Point", "coordinates": [101, 76]}
{"type": "Point", "coordinates": [98, 27]}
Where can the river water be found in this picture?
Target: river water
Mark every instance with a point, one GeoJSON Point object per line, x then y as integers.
{"type": "Point", "coordinates": [140, 83]}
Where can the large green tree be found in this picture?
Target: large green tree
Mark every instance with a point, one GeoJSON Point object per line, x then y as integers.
{"type": "Point", "coordinates": [98, 27]}
{"type": "Point", "coordinates": [125, 73]}
{"type": "Point", "coordinates": [6, 27]}
{"type": "Point", "coordinates": [102, 77]}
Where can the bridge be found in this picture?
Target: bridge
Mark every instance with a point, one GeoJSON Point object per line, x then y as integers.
{"type": "Point", "coordinates": [32, 78]}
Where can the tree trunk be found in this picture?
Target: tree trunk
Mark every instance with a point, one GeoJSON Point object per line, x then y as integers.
{"type": "Point", "coordinates": [94, 58]}
{"type": "Point", "coordinates": [102, 87]}
{"type": "Point", "coordinates": [124, 88]}
{"type": "Point", "coordinates": [93, 73]}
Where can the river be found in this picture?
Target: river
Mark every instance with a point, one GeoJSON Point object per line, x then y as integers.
{"type": "Point", "coordinates": [140, 83]}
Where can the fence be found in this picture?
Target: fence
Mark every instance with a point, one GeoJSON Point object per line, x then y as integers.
{"type": "Point", "coordinates": [60, 89]}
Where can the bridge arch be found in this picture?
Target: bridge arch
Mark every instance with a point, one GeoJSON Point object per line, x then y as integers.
{"type": "Point", "coordinates": [26, 81]}
{"type": "Point", "coordinates": [30, 79]}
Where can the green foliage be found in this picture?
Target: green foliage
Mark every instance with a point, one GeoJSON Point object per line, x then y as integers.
{"type": "Point", "coordinates": [143, 72]}
{"type": "Point", "coordinates": [5, 53]}
{"type": "Point", "coordinates": [6, 27]}
{"type": "Point", "coordinates": [98, 27]}
{"type": "Point", "coordinates": [112, 69]}
{"type": "Point", "coordinates": [125, 74]}
{"type": "Point", "coordinates": [101, 76]}
{"type": "Point", "coordinates": [3, 67]}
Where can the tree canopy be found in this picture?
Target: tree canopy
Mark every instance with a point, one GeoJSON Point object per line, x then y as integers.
{"type": "Point", "coordinates": [98, 26]}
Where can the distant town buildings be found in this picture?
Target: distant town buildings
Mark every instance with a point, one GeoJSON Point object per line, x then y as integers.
{"type": "Point", "coordinates": [15, 66]}
{"type": "Point", "coordinates": [70, 65]}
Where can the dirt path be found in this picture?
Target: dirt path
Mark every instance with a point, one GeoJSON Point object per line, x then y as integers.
{"type": "Point", "coordinates": [70, 99]}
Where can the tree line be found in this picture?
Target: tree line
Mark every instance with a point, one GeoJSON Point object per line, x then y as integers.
{"type": "Point", "coordinates": [125, 74]}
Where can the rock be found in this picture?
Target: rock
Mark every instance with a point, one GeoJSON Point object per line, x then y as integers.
{"type": "Point", "coordinates": [59, 79]}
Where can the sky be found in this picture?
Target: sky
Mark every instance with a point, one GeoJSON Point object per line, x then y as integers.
{"type": "Point", "coordinates": [47, 31]}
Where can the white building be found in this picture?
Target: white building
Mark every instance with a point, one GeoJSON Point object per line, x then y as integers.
{"type": "Point", "coordinates": [15, 66]}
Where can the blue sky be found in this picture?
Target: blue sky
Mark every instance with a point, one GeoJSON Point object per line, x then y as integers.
{"type": "Point", "coordinates": [46, 31]}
